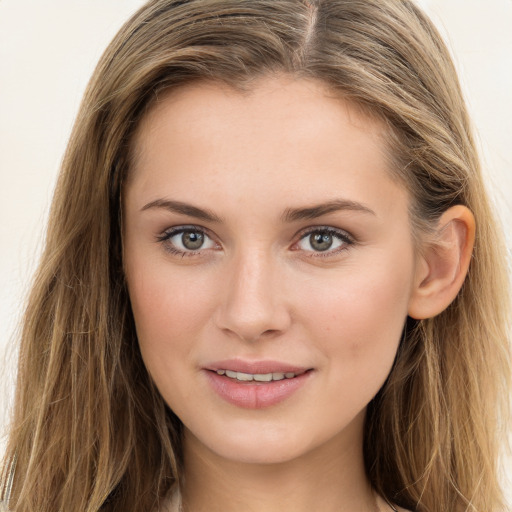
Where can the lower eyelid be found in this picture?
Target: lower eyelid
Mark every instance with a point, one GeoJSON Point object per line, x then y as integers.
{"type": "Point", "coordinates": [326, 254]}
{"type": "Point", "coordinates": [165, 239]}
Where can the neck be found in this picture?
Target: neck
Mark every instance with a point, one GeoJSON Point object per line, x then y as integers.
{"type": "Point", "coordinates": [330, 478]}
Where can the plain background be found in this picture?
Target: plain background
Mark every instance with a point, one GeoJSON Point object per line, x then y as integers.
{"type": "Point", "coordinates": [48, 50]}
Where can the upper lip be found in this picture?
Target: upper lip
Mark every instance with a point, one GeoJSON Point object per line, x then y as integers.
{"type": "Point", "coordinates": [255, 367]}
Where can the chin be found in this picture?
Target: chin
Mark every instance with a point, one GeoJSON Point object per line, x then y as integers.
{"type": "Point", "coordinates": [270, 443]}
{"type": "Point", "coordinates": [260, 451]}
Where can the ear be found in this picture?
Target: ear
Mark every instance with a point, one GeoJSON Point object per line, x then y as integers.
{"type": "Point", "coordinates": [443, 264]}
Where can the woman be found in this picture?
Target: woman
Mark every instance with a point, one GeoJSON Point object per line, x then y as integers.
{"type": "Point", "coordinates": [262, 287]}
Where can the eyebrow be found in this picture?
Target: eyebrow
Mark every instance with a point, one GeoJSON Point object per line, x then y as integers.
{"type": "Point", "coordinates": [289, 215]}
{"type": "Point", "coordinates": [183, 208]}
{"type": "Point", "coordinates": [312, 212]}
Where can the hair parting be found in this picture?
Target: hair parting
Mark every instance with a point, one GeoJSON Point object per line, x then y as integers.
{"type": "Point", "coordinates": [90, 431]}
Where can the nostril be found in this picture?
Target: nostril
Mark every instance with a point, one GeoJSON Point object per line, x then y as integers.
{"type": "Point", "coordinates": [252, 337]}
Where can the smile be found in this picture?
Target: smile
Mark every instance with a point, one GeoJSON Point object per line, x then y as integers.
{"type": "Point", "coordinates": [258, 377]}
{"type": "Point", "coordinates": [256, 385]}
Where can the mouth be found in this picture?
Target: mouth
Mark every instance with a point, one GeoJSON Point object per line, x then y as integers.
{"type": "Point", "coordinates": [259, 377]}
{"type": "Point", "coordinates": [256, 385]}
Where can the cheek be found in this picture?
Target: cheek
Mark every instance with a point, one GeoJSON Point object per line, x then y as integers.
{"type": "Point", "coordinates": [358, 317]}
{"type": "Point", "coordinates": [170, 310]}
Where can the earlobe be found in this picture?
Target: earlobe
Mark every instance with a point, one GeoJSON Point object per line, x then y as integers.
{"type": "Point", "coordinates": [443, 264]}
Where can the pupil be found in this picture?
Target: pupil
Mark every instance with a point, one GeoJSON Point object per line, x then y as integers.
{"type": "Point", "coordinates": [320, 241]}
{"type": "Point", "coordinates": [192, 240]}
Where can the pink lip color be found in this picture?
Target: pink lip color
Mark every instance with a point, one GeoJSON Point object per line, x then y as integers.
{"type": "Point", "coordinates": [255, 395]}
{"type": "Point", "coordinates": [239, 365]}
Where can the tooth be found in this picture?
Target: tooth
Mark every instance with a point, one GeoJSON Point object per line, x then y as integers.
{"type": "Point", "coordinates": [289, 375]}
{"type": "Point", "coordinates": [263, 377]}
{"type": "Point", "coordinates": [278, 376]}
{"type": "Point", "coordinates": [221, 372]}
{"type": "Point", "coordinates": [244, 376]}
{"type": "Point", "coordinates": [231, 374]}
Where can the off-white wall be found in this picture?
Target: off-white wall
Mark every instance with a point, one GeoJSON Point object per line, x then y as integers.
{"type": "Point", "coordinates": [48, 49]}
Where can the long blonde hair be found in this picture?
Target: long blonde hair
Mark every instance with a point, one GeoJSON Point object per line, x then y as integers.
{"type": "Point", "coordinates": [90, 432]}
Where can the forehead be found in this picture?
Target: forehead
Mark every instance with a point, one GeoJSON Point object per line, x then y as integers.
{"type": "Point", "coordinates": [290, 136]}
{"type": "Point", "coordinates": [277, 100]}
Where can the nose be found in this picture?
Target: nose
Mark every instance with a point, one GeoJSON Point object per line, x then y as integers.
{"type": "Point", "coordinates": [253, 303]}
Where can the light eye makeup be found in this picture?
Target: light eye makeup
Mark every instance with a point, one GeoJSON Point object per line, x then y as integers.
{"type": "Point", "coordinates": [317, 241]}
{"type": "Point", "coordinates": [186, 240]}
{"type": "Point", "coordinates": [323, 241]}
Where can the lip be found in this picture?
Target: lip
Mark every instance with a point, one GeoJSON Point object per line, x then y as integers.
{"type": "Point", "coordinates": [263, 366]}
{"type": "Point", "coordinates": [255, 395]}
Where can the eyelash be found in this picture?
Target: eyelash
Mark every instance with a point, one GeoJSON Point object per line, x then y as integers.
{"type": "Point", "coordinates": [342, 236]}
{"type": "Point", "coordinates": [166, 236]}
{"type": "Point", "coordinates": [345, 238]}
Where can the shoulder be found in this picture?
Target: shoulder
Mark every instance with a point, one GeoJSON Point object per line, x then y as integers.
{"type": "Point", "coordinates": [171, 504]}
{"type": "Point", "coordinates": [400, 509]}
{"type": "Point", "coordinates": [385, 505]}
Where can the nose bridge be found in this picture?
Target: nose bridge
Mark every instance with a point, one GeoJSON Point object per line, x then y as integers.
{"type": "Point", "coordinates": [251, 303]}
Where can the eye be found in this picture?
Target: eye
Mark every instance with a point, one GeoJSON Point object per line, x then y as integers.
{"type": "Point", "coordinates": [186, 240]}
{"type": "Point", "coordinates": [324, 240]}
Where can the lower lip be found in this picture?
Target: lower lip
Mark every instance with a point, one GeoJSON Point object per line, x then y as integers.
{"type": "Point", "coordinates": [255, 395]}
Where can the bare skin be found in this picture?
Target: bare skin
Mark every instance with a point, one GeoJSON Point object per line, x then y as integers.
{"type": "Point", "coordinates": [265, 229]}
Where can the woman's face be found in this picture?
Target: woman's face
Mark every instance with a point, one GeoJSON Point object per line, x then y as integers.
{"type": "Point", "coordinates": [270, 265]}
